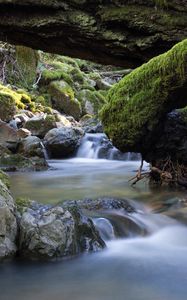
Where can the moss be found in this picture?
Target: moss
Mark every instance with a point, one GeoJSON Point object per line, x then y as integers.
{"type": "Point", "coordinates": [183, 113]}
{"type": "Point", "coordinates": [94, 97]}
{"type": "Point", "coordinates": [22, 203]}
{"type": "Point", "coordinates": [5, 178]}
{"type": "Point", "coordinates": [77, 75]}
{"type": "Point", "coordinates": [136, 17]}
{"type": "Point", "coordinates": [10, 99]}
{"type": "Point", "coordinates": [7, 106]}
{"type": "Point", "coordinates": [94, 76]}
{"type": "Point", "coordinates": [63, 98]}
{"type": "Point", "coordinates": [137, 103]}
{"type": "Point", "coordinates": [27, 62]}
{"type": "Point", "coordinates": [53, 75]}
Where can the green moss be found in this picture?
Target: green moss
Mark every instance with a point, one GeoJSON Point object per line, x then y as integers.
{"type": "Point", "coordinates": [183, 113]}
{"type": "Point", "coordinates": [94, 76]}
{"type": "Point", "coordinates": [27, 62]}
{"type": "Point", "coordinates": [77, 75]}
{"type": "Point", "coordinates": [22, 203]}
{"type": "Point", "coordinates": [144, 17]}
{"type": "Point", "coordinates": [5, 178]}
{"type": "Point", "coordinates": [10, 100]}
{"type": "Point", "coordinates": [63, 98]}
{"type": "Point", "coordinates": [53, 75]}
{"type": "Point", "coordinates": [137, 103]}
{"type": "Point", "coordinates": [95, 99]}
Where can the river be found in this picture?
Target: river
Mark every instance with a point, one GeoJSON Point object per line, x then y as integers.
{"type": "Point", "coordinates": [151, 267]}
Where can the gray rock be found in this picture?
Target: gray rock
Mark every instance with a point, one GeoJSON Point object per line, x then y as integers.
{"type": "Point", "coordinates": [47, 233]}
{"type": "Point", "coordinates": [31, 146]}
{"type": "Point", "coordinates": [8, 224]}
{"type": "Point", "coordinates": [63, 142]}
{"type": "Point", "coordinates": [40, 125]}
{"type": "Point", "coordinates": [8, 136]}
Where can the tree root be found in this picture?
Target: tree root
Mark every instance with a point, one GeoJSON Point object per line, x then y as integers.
{"type": "Point", "coordinates": [163, 172]}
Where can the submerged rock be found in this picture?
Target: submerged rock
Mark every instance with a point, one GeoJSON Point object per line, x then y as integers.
{"type": "Point", "coordinates": [8, 224]}
{"type": "Point", "coordinates": [49, 233]}
{"type": "Point", "coordinates": [63, 142]}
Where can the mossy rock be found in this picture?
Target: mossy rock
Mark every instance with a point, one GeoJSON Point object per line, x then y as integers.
{"type": "Point", "coordinates": [63, 99]}
{"type": "Point", "coordinates": [10, 100]}
{"type": "Point", "coordinates": [52, 75]}
{"type": "Point", "coordinates": [17, 162]}
{"type": "Point", "coordinates": [41, 125]}
{"type": "Point", "coordinates": [27, 63]}
{"type": "Point", "coordinates": [22, 203]}
{"type": "Point", "coordinates": [5, 178]}
{"type": "Point", "coordinates": [141, 99]}
{"type": "Point", "coordinates": [7, 106]}
{"type": "Point", "coordinates": [91, 101]}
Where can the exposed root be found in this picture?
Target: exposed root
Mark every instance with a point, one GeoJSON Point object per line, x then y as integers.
{"type": "Point", "coordinates": [140, 175]}
{"type": "Point", "coordinates": [163, 172]}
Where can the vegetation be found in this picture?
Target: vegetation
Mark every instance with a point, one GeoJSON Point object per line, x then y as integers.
{"type": "Point", "coordinates": [137, 103]}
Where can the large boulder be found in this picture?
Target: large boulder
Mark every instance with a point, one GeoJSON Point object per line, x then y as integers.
{"type": "Point", "coordinates": [63, 99]}
{"type": "Point", "coordinates": [63, 142]}
{"type": "Point", "coordinates": [140, 101]}
{"type": "Point", "coordinates": [122, 32]}
{"type": "Point", "coordinates": [8, 224]}
{"type": "Point", "coordinates": [50, 233]}
{"type": "Point", "coordinates": [172, 142]}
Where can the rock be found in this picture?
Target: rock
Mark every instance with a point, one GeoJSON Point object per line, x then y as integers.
{"type": "Point", "coordinates": [40, 125]}
{"type": "Point", "coordinates": [17, 162]}
{"type": "Point", "coordinates": [140, 101]}
{"type": "Point", "coordinates": [21, 118]}
{"type": "Point", "coordinates": [50, 233]}
{"type": "Point", "coordinates": [8, 224]}
{"type": "Point", "coordinates": [115, 32]}
{"type": "Point", "coordinates": [103, 85]}
{"type": "Point", "coordinates": [63, 142]}
{"type": "Point", "coordinates": [171, 139]}
{"type": "Point", "coordinates": [91, 101]}
{"type": "Point", "coordinates": [8, 136]}
{"type": "Point", "coordinates": [26, 64]}
{"type": "Point", "coordinates": [102, 203]}
{"type": "Point", "coordinates": [60, 119]}
{"type": "Point", "coordinates": [31, 146]}
{"type": "Point", "coordinates": [23, 133]}
{"type": "Point", "coordinates": [63, 99]}
{"type": "Point", "coordinates": [7, 106]}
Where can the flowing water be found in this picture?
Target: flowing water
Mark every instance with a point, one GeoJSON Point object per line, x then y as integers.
{"type": "Point", "coordinates": [145, 264]}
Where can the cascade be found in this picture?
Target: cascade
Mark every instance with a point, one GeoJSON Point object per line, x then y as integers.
{"type": "Point", "coordinates": [97, 145]}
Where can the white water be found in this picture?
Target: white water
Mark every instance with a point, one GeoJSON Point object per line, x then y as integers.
{"type": "Point", "coordinates": [146, 264]}
{"type": "Point", "coordinates": [97, 146]}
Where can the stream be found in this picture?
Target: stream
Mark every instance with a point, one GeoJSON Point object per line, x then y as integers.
{"type": "Point", "coordinates": [136, 267]}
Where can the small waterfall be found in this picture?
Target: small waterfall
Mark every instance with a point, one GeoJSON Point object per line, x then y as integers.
{"type": "Point", "coordinates": [97, 145]}
{"type": "Point", "coordinates": [119, 224]}
{"type": "Point", "coordinates": [46, 156]}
